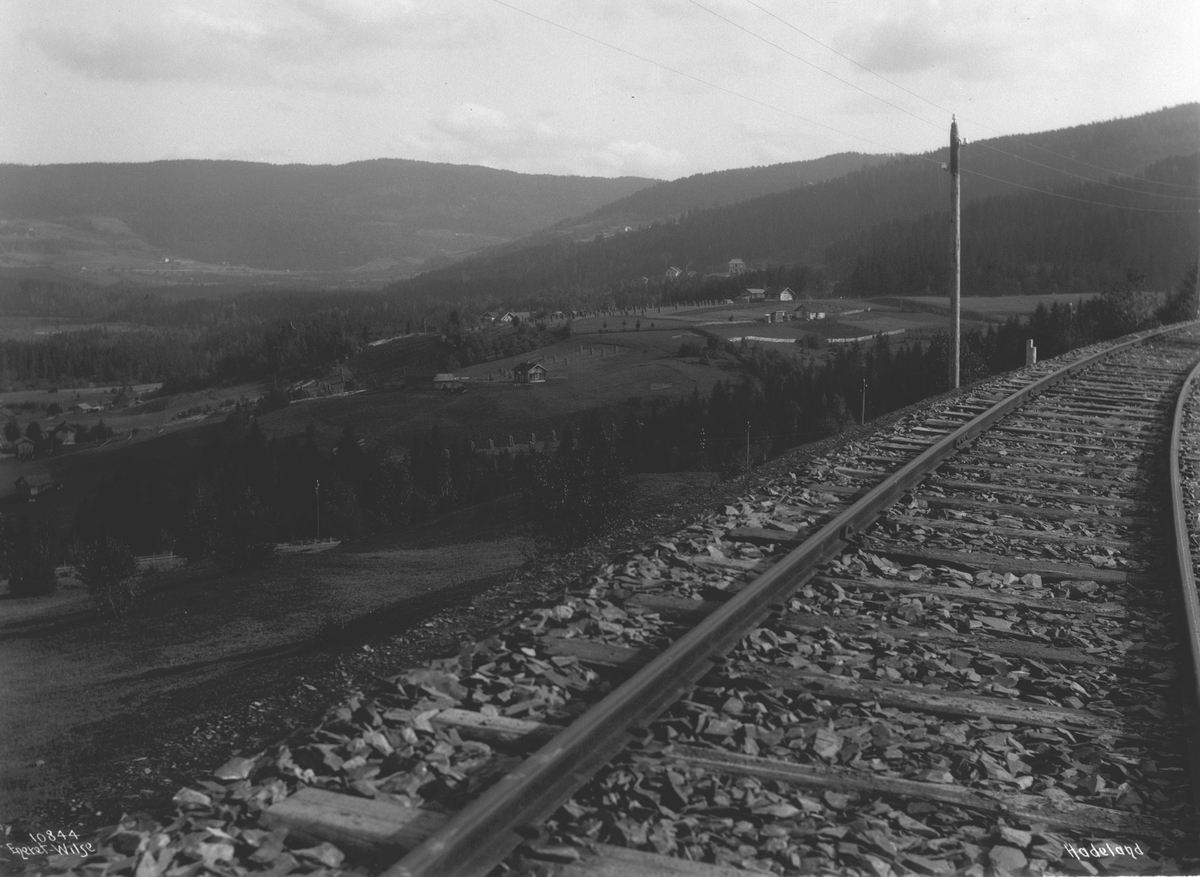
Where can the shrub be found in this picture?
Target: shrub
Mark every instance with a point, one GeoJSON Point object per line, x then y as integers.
{"type": "Point", "coordinates": [28, 559]}
{"type": "Point", "coordinates": [581, 491]}
{"type": "Point", "coordinates": [32, 573]}
{"type": "Point", "coordinates": [110, 573]}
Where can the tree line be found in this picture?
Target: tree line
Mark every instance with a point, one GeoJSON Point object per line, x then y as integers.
{"type": "Point", "coordinates": [245, 492]}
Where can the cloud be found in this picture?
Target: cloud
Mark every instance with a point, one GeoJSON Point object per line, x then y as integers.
{"type": "Point", "coordinates": [919, 37]}
{"type": "Point", "coordinates": [306, 43]}
{"type": "Point", "coordinates": [480, 126]}
{"type": "Point", "coordinates": [473, 133]}
{"type": "Point", "coordinates": [639, 159]}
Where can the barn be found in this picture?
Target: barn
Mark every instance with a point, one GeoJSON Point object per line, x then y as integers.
{"type": "Point", "coordinates": [529, 373]}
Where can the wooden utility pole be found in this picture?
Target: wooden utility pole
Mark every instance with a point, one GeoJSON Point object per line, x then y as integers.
{"type": "Point", "coordinates": [1197, 316]}
{"type": "Point", "coordinates": [956, 272]}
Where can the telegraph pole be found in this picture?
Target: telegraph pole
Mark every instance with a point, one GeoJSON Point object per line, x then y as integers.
{"type": "Point", "coordinates": [318, 509]}
{"type": "Point", "coordinates": [956, 273]}
{"type": "Point", "coordinates": [863, 419]}
{"type": "Point", "coordinates": [747, 445]}
{"type": "Point", "coordinates": [1197, 316]}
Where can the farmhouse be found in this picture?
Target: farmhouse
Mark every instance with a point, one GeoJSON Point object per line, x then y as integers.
{"type": "Point", "coordinates": [736, 267]}
{"type": "Point", "coordinates": [64, 435]}
{"type": "Point", "coordinates": [31, 486]}
{"type": "Point", "coordinates": [510, 317]}
{"type": "Point", "coordinates": [673, 273]}
{"type": "Point", "coordinates": [86, 407]}
{"type": "Point", "coordinates": [529, 373]}
{"type": "Point", "coordinates": [448, 383]}
{"type": "Point", "coordinates": [780, 293]}
{"type": "Point", "coordinates": [804, 312]}
{"type": "Point", "coordinates": [752, 294]}
{"type": "Point", "coordinates": [24, 447]}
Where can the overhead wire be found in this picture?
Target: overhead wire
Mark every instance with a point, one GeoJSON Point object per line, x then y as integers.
{"type": "Point", "coordinates": [938, 106]}
{"type": "Point", "coordinates": [812, 65]}
{"type": "Point", "coordinates": [836, 130]}
{"type": "Point", "coordinates": [1107, 183]}
{"type": "Point", "coordinates": [1054, 194]}
{"type": "Point", "coordinates": [704, 82]}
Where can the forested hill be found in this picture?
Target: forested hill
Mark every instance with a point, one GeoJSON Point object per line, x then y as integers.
{"type": "Point", "coordinates": [669, 199]}
{"type": "Point", "coordinates": [1030, 242]}
{"type": "Point", "coordinates": [800, 225]}
{"type": "Point", "coordinates": [306, 217]}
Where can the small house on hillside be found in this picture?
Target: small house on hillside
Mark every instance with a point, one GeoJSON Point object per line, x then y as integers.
{"type": "Point", "coordinates": [752, 294]}
{"type": "Point", "coordinates": [529, 373]}
{"type": "Point", "coordinates": [24, 447]}
{"type": "Point", "coordinates": [736, 267]}
{"type": "Point", "coordinates": [804, 312]}
{"type": "Point", "coordinates": [511, 317]}
{"type": "Point", "coordinates": [31, 486]}
{"type": "Point", "coordinates": [673, 273]}
{"type": "Point", "coordinates": [85, 407]}
{"type": "Point", "coordinates": [448, 383]}
{"type": "Point", "coordinates": [780, 293]}
{"type": "Point", "coordinates": [64, 435]}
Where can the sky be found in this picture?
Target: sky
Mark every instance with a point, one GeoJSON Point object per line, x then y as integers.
{"type": "Point", "coordinates": [652, 88]}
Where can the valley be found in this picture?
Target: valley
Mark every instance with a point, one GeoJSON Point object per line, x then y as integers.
{"type": "Point", "coordinates": [433, 365]}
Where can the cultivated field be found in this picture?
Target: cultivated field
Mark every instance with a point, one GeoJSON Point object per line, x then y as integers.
{"type": "Point", "coordinates": [587, 371]}
{"type": "Point", "coordinates": [609, 363]}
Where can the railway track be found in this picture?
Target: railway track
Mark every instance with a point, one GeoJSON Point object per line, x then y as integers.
{"type": "Point", "coordinates": [954, 649]}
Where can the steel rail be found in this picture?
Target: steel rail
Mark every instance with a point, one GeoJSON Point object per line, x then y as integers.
{"type": "Point", "coordinates": [480, 835]}
{"type": "Point", "coordinates": [1187, 580]}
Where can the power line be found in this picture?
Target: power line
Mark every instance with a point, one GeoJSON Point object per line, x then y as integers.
{"type": "Point", "coordinates": [1112, 185]}
{"type": "Point", "coordinates": [778, 109]}
{"type": "Point", "coordinates": [803, 33]}
{"type": "Point", "coordinates": [1068, 157]}
{"type": "Point", "coordinates": [705, 82]}
{"type": "Point", "coordinates": [814, 66]}
{"type": "Point", "coordinates": [938, 106]}
{"type": "Point", "coordinates": [1073, 198]}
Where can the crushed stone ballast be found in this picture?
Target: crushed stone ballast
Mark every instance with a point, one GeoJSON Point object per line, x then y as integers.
{"type": "Point", "coordinates": [946, 648]}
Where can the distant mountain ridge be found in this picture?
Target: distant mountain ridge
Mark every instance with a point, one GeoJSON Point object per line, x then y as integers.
{"type": "Point", "coordinates": [717, 188]}
{"type": "Point", "coordinates": [303, 217]}
{"type": "Point", "coordinates": [800, 225]}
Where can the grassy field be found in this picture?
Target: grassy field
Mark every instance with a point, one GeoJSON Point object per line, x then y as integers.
{"type": "Point", "coordinates": [607, 362]}
{"type": "Point", "coordinates": [996, 308]}
{"type": "Point", "coordinates": [82, 695]}
{"type": "Point", "coordinates": [76, 688]}
{"type": "Point", "coordinates": [587, 371]}
{"type": "Point", "coordinates": [156, 429]}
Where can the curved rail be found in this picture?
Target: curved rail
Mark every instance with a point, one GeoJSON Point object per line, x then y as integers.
{"type": "Point", "coordinates": [478, 837]}
{"type": "Point", "coordinates": [1187, 577]}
